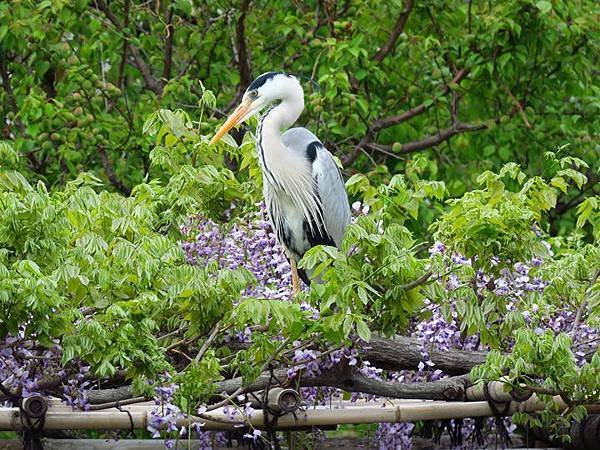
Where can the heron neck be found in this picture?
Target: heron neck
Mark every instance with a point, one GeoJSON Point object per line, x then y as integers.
{"type": "Point", "coordinates": [280, 117]}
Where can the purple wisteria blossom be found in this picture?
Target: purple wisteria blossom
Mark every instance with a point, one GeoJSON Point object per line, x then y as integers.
{"type": "Point", "coordinates": [75, 390]}
{"type": "Point", "coordinates": [394, 436]}
{"type": "Point", "coordinates": [163, 418]}
{"type": "Point", "coordinates": [437, 249]}
{"type": "Point", "coordinates": [250, 244]}
{"type": "Point", "coordinates": [256, 434]}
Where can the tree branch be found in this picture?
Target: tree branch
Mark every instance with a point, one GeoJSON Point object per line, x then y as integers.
{"type": "Point", "coordinates": [168, 58]}
{"type": "Point", "coordinates": [136, 58]}
{"type": "Point", "coordinates": [380, 124]}
{"type": "Point", "coordinates": [395, 120]}
{"type": "Point", "coordinates": [243, 57]}
{"type": "Point", "coordinates": [396, 32]}
{"type": "Point", "coordinates": [431, 141]}
{"type": "Point", "coordinates": [404, 353]}
{"type": "Point", "coordinates": [518, 105]}
{"type": "Point", "coordinates": [207, 343]}
{"type": "Point", "coordinates": [110, 173]}
{"type": "Point", "coordinates": [418, 282]}
{"type": "Point", "coordinates": [241, 50]}
{"type": "Point", "coordinates": [350, 379]}
{"type": "Point", "coordinates": [121, 76]}
{"type": "Point", "coordinates": [397, 354]}
{"type": "Point", "coordinates": [151, 83]}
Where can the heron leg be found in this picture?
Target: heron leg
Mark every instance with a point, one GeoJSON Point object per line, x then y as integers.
{"type": "Point", "coordinates": [295, 278]}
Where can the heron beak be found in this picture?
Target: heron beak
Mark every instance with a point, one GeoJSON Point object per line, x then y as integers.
{"type": "Point", "coordinates": [238, 116]}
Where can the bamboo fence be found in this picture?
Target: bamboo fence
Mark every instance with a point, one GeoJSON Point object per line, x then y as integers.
{"type": "Point", "coordinates": [481, 401]}
{"type": "Point", "coordinates": [62, 417]}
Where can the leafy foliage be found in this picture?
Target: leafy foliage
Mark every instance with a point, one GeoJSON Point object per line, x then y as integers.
{"type": "Point", "coordinates": [482, 83]}
{"type": "Point", "coordinates": [68, 251]}
{"type": "Point", "coordinates": [132, 248]}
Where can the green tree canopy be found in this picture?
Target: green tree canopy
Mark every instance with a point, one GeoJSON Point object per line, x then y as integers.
{"type": "Point", "coordinates": [472, 85]}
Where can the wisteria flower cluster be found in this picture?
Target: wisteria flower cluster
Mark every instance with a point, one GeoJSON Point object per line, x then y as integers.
{"type": "Point", "coordinates": [77, 387]}
{"type": "Point", "coordinates": [250, 244]}
{"type": "Point", "coordinates": [15, 372]}
{"type": "Point", "coordinates": [166, 414]}
{"type": "Point", "coordinates": [23, 365]}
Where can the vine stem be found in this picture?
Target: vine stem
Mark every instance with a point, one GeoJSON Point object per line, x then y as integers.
{"type": "Point", "coordinates": [242, 389]}
{"type": "Point", "coordinates": [209, 339]}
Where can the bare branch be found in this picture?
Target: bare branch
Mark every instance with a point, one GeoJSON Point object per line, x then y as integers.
{"type": "Point", "coordinates": [395, 120]}
{"type": "Point", "coordinates": [404, 353]}
{"type": "Point", "coordinates": [108, 13]}
{"type": "Point", "coordinates": [470, 16]}
{"type": "Point", "coordinates": [110, 395]}
{"type": "Point", "coordinates": [208, 341]}
{"type": "Point", "coordinates": [396, 32]}
{"type": "Point", "coordinates": [350, 379]}
{"type": "Point", "coordinates": [418, 282]}
{"type": "Point", "coordinates": [151, 83]}
{"type": "Point", "coordinates": [433, 140]}
{"type": "Point", "coordinates": [241, 52]}
{"type": "Point", "coordinates": [243, 57]}
{"type": "Point", "coordinates": [517, 105]}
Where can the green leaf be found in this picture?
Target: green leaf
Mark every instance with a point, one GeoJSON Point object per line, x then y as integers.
{"type": "Point", "coordinates": [544, 6]}
{"type": "Point", "coordinates": [362, 295]}
{"type": "Point", "coordinates": [363, 330]}
{"type": "Point", "coordinates": [560, 183]}
{"type": "Point", "coordinates": [586, 209]}
{"type": "Point", "coordinates": [579, 178]}
{"type": "Point", "coordinates": [229, 140]}
{"type": "Point", "coordinates": [347, 325]}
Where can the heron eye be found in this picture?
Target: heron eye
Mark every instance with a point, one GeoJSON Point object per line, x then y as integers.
{"type": "Point", "coordinates": [253, 94]}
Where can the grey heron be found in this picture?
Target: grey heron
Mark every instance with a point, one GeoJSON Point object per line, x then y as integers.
{"type": "Point", "coordinates": [303, 187]}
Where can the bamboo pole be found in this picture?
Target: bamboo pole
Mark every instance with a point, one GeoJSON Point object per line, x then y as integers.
{"type": "Point", "coordinates": [280, 399]}
{"type": "Point", "coordinates": [77, 420]}
{"type": "Point", "coordinates": [496, 390]}
{"type": "Point", "coordinates": [58, 418]}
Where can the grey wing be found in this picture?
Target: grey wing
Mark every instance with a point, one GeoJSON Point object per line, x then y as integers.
{"type": "Point", "coordinates": [332, 191]}
{"type": "Point", "coordinates": [330, 183]}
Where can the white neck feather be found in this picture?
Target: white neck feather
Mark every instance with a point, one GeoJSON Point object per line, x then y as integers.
{"type": "Point", "coordinates": [281, 116]}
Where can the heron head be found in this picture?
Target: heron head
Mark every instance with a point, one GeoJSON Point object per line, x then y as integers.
{"type": "Point", "coordinates": [261, 92]}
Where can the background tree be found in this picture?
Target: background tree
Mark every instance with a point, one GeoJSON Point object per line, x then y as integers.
{"type": "Point", "coordinates": [472, 85]}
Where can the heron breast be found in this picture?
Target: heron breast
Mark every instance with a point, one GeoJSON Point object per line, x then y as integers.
{"type": "Point", "coordinates": [288, 223]}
